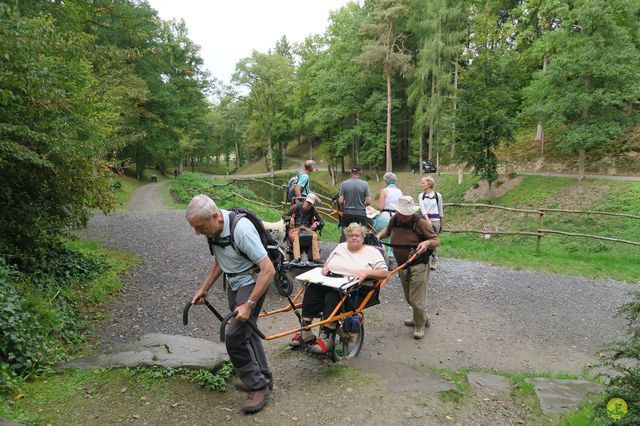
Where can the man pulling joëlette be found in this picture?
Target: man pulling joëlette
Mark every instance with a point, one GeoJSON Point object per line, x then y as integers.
{"type": "Point", "coordinates": [245, 293]}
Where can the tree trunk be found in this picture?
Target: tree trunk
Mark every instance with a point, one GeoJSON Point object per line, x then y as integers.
{"type": "Point", "coordinates": [235, 137]}
{"type": "Point", "coordinates": [432, 119]}
{"type": "Point", "coordinates": [270, 156]}
{"type": "Point", "coordinates": [581, 161]}
{"type": "Point", "coordinates": [421, 153]}
{"type": "Point", "coordinates": [540, 129]}
{"type": "Point", "coordinates": [455, 108]}
{"type": "Point", "coordinates": [389, 166]}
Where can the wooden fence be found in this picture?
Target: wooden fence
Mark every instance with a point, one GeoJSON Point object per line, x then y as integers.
{"type": "Point", "coordinates": [541, 232]}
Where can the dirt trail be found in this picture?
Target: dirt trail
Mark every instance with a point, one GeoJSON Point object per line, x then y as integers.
{"type": "Point", "coordinates": [482, 317]}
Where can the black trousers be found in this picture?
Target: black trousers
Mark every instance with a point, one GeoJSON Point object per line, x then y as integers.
{"type": "Point", "coordinates": [320, 301]}
{"type": "Point", "coordinates": [243, 345]}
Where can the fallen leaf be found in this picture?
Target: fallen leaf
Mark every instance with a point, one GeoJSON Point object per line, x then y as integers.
{"type": "Point", "coordinates": [227, 409]}
{"type": "Point", "coordinates": [378, 387]}
{"type": "Point", "coordinates": [123, 390]}
{"type": "Point", "coordinates": [135, 416]}
{"type": "Point", "coordinates": [449, 417]}
{"type": "Point", "coordinates": [227, 417]}
{"type": "Point", "coordinates": [295, 418]}
{"type": "Point", "coordinates": [17, 396]}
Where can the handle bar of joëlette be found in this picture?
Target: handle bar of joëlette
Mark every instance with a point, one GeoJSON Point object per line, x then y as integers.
{"type": "Point", "coordinates": [223, 320]}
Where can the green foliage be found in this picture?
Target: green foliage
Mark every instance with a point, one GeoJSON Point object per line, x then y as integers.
{"type": "Point", "coordinates": [44, 314]}
{"type": "Point", "coordinates": [592, 76]}
{"type": "Point", "coordinates": [623, 358]}
{"type": "Point", "coordinates": [210, 380]}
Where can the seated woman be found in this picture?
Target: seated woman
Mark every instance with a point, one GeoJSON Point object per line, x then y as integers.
{"type": "Point", "coordinates": [304, 216]}
{"type": "Point", "coordinates": [351, 258]}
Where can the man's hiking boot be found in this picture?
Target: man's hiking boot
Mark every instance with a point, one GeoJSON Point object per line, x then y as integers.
{"type": "Point", "coordinates": [418, 333]}
{"type": "Point", "coordinates": [256, 400]}
{"type": "Point", "coordinates": [409, 323]}
{"type": "Point", "coordinates": [242, 387]}
{"type": "Point", "coordinates": [433, 264]}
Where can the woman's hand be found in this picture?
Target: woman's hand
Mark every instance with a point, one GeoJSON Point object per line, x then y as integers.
{"type": "Point", "coordinates": [325, 270]}
{"type": "Point", "coordinates": [361, 276]}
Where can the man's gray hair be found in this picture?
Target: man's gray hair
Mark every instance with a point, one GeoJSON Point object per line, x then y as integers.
{"type": "Point", "coordinates": [309, 165]}
{"type": "Point", "coordinates": [202, 207]}
{"type": "Point", "coordinates": [390, 178]}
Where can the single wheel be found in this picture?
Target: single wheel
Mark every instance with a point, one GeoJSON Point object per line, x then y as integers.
{"type": "Point", "coordinates": [283, 283]}
{"type": "Point", "coordinates": [347, 345]}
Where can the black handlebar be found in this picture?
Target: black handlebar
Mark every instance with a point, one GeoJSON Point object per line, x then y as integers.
{"type": "Point", "coordinates": [185, 312]}
{"type": "Point", "coordinates": [223, 320]}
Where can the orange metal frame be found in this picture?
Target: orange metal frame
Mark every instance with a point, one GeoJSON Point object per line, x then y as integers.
{"type": "Point", "coordinates": [334, 315]}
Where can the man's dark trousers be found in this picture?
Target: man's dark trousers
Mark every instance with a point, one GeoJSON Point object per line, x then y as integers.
{"type": "Point", "coordinates": [243, 345]}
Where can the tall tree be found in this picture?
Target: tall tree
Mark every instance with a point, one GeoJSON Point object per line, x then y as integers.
{"type": "Point", "coordinates": [592, 77]}
{"type": "Point", "coordinates": [267, 76]}
{"type": "Point", "coordinates": [441, 25]}
{"type": "Point", "coordinates": [386, 47]}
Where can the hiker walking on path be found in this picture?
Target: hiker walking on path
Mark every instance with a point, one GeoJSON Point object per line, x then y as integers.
{"type": "Point", "coordinates": [389, 195]}
{"type": "Point", "coordinates": [432, 208]}
{"type": "Point", "coordinates": [409, 230]}
{"type": "Point", "coordinates": [303, 185]}
{"type": "Point", "coordinates": [355, 196]}
{"type": "Point", "coordinates": [235, 258]}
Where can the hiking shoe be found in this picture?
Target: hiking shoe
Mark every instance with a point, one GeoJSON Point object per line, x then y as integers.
{"type": "Point", "coordinates": [433, 264]}
{"type": "Point", "coordinates": [323, 345]}
{"type": "Point", "coordinates": [418, 333]}
{"type": "Point", "coordinates": [256, 400]}
{"type": "Point", "coordinates": [242, 387]}
{"type": "Point", "coordinates": [302, 339]}
{"type": "Point", "coordinates": [409, 323]}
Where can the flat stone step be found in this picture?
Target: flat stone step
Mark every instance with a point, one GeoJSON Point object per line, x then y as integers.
{"type": "Point", "coordinates": [490, 384]}
{"type": "Point", "coordinates": [401, 377]}
{"type": "Point", "coordinates": [560, 396]}
{"type": "Point", "coordinates": [158, 349]}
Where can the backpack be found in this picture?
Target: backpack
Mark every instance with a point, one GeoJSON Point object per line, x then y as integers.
{"type": "Point", "coordinates": [291, 187]}
{"type": "Point", "coordinates": [436, 195]}
{"type": "Point", "coordinates": [274, 251]}
{"type": "Point", "coordinates": [414, 227]}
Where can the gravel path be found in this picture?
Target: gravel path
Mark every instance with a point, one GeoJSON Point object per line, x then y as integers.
{"type": "Point", "coordinates": [482, 316]}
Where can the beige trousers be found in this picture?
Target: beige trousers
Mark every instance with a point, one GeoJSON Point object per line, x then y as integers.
{"type": "Point", "coordinates": [315, 250]}
{"type": "Point", "coordinates": [414, 282]}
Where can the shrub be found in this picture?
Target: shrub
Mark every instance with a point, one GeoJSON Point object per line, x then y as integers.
{"type": "Point", "coordinates": [624, 358]}
{"type": "Point", "coordinates": [22, 343]}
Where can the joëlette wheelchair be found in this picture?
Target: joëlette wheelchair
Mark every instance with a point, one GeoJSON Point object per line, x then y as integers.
{"type": "Point", "coordinates": [349, 314]}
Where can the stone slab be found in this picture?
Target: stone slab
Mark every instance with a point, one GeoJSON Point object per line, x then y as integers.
{"type": "Point", "coordinates": [402, 377]}
{"type": "Point", "coordinates": [560, 396]}
{"type": "Point", "coordinates": [158, 349]}
{"type": "Point", "coordinates": [489, 384]}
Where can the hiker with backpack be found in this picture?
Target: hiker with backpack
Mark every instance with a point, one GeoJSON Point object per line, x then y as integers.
{"type": "Point", "coordinates": [431, 206]}
{"type": "Point", "coordinates": [299, 186]}
{"type": "Point", "coordinates": [409, 230]}
{"type": "Point", "coordinates": [237, 245]}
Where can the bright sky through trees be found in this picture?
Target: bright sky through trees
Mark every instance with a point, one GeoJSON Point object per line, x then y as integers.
{"type": "Point", "coordinates": [228, 31]}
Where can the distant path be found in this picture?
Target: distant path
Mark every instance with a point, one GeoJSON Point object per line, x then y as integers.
{"type": "Point", "coordinates": [147, 198]}
{"type": "Point", "coordinates": [632, 178]}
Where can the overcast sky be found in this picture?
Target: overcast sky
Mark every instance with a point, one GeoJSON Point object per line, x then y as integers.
{"type": "Point", "coordinates": [228, 30]}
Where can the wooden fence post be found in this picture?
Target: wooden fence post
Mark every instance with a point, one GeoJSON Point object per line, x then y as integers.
{"type": "Point", "coordinates": [539, 237]}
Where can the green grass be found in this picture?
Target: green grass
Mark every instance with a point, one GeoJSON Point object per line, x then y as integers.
{"type": "Point", "coordinates": [582, 417]}
{"type": "Point", "coordinates": [86, 396]}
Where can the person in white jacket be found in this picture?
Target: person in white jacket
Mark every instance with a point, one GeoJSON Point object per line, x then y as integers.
{"type": "Point", "coordinates": [431, 205]}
